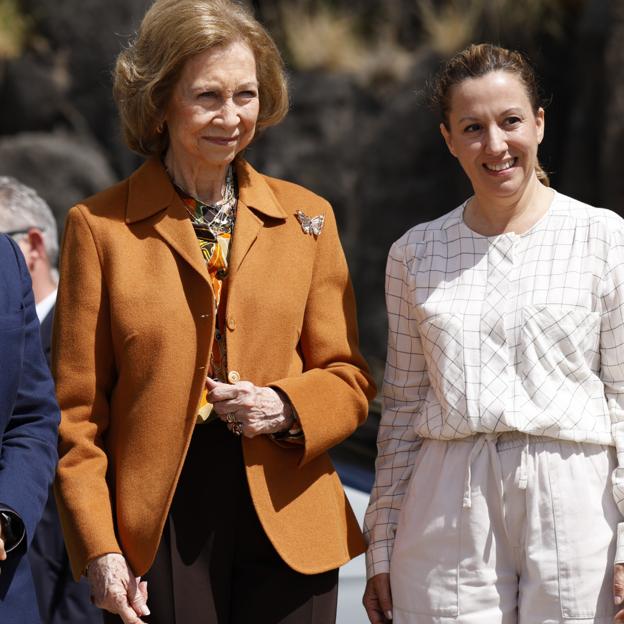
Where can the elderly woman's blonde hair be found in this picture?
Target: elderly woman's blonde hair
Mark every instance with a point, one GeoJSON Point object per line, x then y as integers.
{"type": "Point", "coordinates": [171, 32]}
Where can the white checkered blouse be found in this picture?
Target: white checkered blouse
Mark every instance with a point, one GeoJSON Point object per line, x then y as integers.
{"type": "Point", "coordinates": [502, 333]}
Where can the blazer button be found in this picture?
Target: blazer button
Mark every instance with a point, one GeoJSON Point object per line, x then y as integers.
{"type": "Point", "coordinates": [233, 377]}
{"type": "Point", "coordinates": [231, 323]}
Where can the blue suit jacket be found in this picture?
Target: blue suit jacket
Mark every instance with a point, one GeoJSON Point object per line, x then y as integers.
{"type": "Point", "coordinates": [61, 600]}
{"type": "Point", "coordinates": [29, 417]}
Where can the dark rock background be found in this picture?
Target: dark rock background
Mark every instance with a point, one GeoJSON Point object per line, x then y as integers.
{"type": "Point", "coordinates": [65, 168]}
{"type": "Point", "coordinates": [371, 147]}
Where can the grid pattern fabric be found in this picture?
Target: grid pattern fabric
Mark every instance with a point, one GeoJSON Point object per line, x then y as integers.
{"type": "Point", "coordinates": [494, 334]}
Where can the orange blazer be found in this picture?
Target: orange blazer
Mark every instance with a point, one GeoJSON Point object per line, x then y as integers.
{"type": "Point", "coordinates": [133, 331]}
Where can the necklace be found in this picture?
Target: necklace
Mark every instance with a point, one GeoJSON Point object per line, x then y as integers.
{"type": "Point", "coordinates": [212, 219]}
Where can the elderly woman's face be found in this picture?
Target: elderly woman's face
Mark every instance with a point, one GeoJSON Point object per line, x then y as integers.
{"type": "Point", "coordinates": [214, 106]}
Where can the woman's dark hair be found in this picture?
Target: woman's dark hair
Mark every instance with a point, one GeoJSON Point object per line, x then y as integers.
{"type": "Point", "coordinates": [478, 60]}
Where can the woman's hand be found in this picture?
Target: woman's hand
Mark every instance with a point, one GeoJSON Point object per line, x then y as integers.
{"type": "Point", "coordinates": [256, 409]}
{"type": "Point", "coordinates": [618, 591]}
{"type": "Point", "coordinates": [115, 588]}
{"type": "Point", "coordinates": [377, 599]}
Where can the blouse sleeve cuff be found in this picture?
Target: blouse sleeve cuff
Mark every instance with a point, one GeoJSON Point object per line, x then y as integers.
{"type": "Point", "coordinates": [294, 434]}
{"type": "Point", "coordinates": [378, 559]}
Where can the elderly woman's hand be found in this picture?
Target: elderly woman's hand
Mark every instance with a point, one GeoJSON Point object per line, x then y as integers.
{"type": "Point", "coordinates": [115, 588]}
{"type": "Point", "coordinates": [253, 409]}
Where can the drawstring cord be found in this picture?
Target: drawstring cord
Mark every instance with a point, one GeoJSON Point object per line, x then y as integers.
{"type": "Point", "coordinates": [489, 441]}
{"type": "Point", "coordinates": [524, 458]}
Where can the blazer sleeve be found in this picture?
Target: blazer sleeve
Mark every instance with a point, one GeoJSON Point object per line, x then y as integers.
{"type": "Point", "coordinates": [331, 396]}
{"type": "Point", "coordinates": [84, 368]}
{"type": "Point", "coordinates": [28, 454]}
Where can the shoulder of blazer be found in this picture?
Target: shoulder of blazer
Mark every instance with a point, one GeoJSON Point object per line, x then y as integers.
{"type": "Point", "coordinates": [109, 203]}
{"type": "Point", "coordinates": [144, 193]}
{"type": "Point", "coordinates": [8, 248]}
{"type": "Point", "coordinates": [257, 189]}
{"type": "Point", "coordinates": [286, 190]}
{"type": "Point", "coordinates": [11, 259]}
{"type": "Point", "coordinates": [14, 276]}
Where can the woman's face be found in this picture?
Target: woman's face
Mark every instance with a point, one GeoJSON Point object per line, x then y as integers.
{"type": "Point", "coordinates": [494, 133]}
{"type": "Point", "coordinates": [214, 106]}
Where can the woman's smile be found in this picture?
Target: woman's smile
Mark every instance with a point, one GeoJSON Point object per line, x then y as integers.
{"type": "Point", "coordinates": [222, 140]}
{"type": "Point", "coordinates": [501, 167]}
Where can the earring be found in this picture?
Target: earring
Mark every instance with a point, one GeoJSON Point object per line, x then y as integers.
{"type": "Point", "coordinates": [160, 127]}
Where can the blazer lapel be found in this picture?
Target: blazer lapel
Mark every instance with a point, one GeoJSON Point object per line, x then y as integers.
{"type": "Point", "coordinates": [152, 197]}
{"type": "Point", "coordinates": [246, 231]}
{"type": "Point", "coordinates": [175, 227]}
{"type": "Point", "coordinates": [255, 201]}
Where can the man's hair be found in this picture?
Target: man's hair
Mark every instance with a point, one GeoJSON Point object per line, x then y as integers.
{"type": "Point", "coordinates": [21, 209]}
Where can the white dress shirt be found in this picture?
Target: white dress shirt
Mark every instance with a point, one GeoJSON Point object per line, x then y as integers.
{"type": "Point", "coordinates": [45, 305]}
{"type": "Point", "coordinates": [501, 333]}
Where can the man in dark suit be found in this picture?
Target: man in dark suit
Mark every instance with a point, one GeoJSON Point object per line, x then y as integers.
{"type": "Point", "coordinates": [29, 419]}
{"type": "Point", "coordinates": [29, 220]}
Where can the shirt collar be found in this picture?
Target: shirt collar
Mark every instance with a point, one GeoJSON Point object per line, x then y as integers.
{"type": "Point", "coordinates": [45, 305]}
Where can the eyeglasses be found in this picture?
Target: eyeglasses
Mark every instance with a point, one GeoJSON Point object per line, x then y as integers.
{"type": "Point", "coordinates": [17, 235]}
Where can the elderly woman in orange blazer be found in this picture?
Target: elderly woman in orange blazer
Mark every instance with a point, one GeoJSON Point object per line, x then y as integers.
{"type": "Point", "coordinates": [205, 349]}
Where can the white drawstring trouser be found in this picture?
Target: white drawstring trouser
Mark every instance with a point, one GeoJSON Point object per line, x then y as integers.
{"type": "Point", "coordinates": [506, 529]}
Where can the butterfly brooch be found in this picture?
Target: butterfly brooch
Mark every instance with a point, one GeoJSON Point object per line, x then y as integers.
{"type": "Point", "coordinates": [311, 225]}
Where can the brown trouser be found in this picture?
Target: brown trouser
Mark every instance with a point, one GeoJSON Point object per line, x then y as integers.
{"type": "Point", "coordinates": [215, 565]}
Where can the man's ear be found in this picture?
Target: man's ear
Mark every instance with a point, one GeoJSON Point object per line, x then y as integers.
{"type": "Point", "coordinates": [33, 247]}
{"type": "Point", "coordinates": [447, 139]}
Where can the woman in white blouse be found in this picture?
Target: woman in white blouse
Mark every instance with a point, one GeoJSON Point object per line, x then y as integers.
{"type": "Point", "coordinates": [504, 385]}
